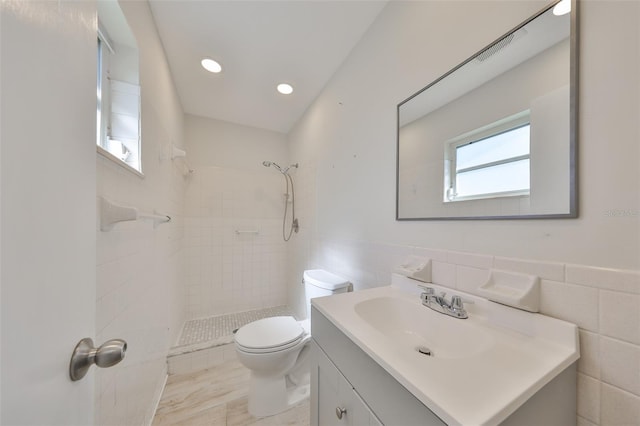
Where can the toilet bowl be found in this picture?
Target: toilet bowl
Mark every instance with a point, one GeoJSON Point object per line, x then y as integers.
{"type": "Point", "coordinates": [270, 348]}
{"type": "Point", "coordinates": [276, 351]}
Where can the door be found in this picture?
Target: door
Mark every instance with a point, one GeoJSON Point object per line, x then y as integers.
{"type": "Point", "coordinates": [47, 208]}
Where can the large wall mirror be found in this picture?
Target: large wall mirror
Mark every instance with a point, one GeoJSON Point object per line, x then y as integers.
{"type": "Point", "coordinates": [495, 137]}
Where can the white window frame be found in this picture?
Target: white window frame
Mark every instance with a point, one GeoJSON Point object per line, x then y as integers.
{"type": "Point", "coordinates": [504, 125]}
{"type": "Point", "coordinates": [104, 116]}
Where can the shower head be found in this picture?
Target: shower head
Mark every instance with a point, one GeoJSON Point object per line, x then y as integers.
{"type": "Point", "coordinates": [271, 163]}
{"type": "Point", "coordinates": [280, 169]}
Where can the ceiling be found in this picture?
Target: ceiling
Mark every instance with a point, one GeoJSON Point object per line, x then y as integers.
{"type": "Point", "coordinates": [259, 44]}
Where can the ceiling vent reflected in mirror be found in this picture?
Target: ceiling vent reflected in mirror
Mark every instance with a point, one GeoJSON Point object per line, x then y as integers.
{"type": "Point", "coordinates": [497, 47]}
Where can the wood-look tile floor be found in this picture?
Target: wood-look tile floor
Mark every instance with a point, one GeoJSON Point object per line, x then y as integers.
{"type": "Point", "coordinates": [218, 397]}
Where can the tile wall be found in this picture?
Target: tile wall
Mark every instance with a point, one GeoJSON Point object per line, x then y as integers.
{"type": "Point", "coordinates": [604, 303]}
{"type": "Point", "coordinates": [139, 296]}
{"type": "Point", "coordinates": [137, 264]}
{"type": "Point", "coordinates": [235, 254]}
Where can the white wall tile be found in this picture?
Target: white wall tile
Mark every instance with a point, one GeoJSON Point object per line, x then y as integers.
{"type": "Point", "coordinates": [443, 273]}
{"type": "Point", "coordinates": [588, 398]}
{"type": "Point", "coordinates": [179, 364]}
{"type": "Point", "coordinates": [430, 253]}
{"type": "Point", "coordinates": [230, 272]}
{"type": "Point", "coordinates": [619, 408]}
{"type": "Point", "coordinates": [604, 278]}
{"type": "Point", "coordinates": [620, 315]}
{"type": "Point", "coordinates": [589, 362]}
{"type": "Point", "coordinates": [573, 303]}
{"type": "Point", "coordinates": [470, 259]}
{"type": "Point", "coordinates": [545, 270]}
{"type": "Point", "coordinates": [468, 279]}
{"type": "Point", "coordinates": [620, 364]}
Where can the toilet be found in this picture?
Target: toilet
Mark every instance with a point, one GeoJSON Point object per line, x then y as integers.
{"type": "Point", "coordinates": [276, 350]}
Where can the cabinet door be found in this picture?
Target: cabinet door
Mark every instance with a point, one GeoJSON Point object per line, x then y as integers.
{"type": "Point", "coordinates": [364, 415]}
{"type": "Point", "coordinates": [338, 403]}
{"type": "Point", "coordinates": [333, 393]}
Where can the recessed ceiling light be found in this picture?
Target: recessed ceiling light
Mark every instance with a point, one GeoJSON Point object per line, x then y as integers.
{"type": "Point", "coordinates": [562, 8]}
{"type": "Point", "coordinates": [285, 89]}
{"type": "Point", "coordinates": [211, 65]}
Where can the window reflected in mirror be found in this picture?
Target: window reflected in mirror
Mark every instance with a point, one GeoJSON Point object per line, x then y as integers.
{"type": "Point", "coordinates": [495, 137]}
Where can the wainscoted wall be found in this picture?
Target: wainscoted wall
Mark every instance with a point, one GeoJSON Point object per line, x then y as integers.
{"type": "Point", "coordinates": [590, 266]}
{"type": "Point", "coordinates": [139, 269]}
{"type": "Point", "coordinates": [604, 303]}
{"type": "Point", "coordinates": [229, 267]}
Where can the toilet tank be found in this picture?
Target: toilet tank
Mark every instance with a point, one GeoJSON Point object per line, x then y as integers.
{"type": "Point", "coordinates": [319, 283]}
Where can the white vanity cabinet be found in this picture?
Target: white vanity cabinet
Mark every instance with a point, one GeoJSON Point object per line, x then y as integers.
{"type": "Point", "coordinates": [344, 377]}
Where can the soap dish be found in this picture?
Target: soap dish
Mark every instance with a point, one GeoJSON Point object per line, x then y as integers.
{"type": "Point", "coordinates": [418, 268]}
{"type": "Point", "coordinates": [514, 289]}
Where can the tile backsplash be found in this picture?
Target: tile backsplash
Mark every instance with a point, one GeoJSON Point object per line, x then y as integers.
{"type": "Point", "coordinates": [604, 303]}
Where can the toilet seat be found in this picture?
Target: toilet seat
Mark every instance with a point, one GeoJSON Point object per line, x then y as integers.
{"type": "Point", "coordinates": [269, 335]}
{"type": "Point", "coordinates": [270, 350]}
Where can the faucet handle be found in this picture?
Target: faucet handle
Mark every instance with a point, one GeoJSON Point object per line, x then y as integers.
{"type": "Point", "coordinates": [457, 307]}
{"type": "Point", "coordinates": [427, 293]}
{"type": "Point", "coordinates": [427, 290]}
{"type": "Point", "coordinates": [456, 302]}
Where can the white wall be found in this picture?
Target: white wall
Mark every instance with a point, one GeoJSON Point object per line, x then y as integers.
{"type": "Point", "coordinates": [345, 144]}
{"type": "Point", "coordinates": [140, 297]}
{"type": "Point", "coordinates": [232, 191]}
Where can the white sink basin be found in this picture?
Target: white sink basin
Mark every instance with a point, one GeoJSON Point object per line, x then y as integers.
{"type": "Point", "coordinates": [414, 327]}
{"type": "Point", "coordinates": [481, 369]}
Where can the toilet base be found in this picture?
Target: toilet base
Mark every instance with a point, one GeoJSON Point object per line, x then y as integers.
{"type": "Point", "coordinates": [269, 396]}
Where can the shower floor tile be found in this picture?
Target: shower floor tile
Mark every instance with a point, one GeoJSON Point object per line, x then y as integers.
{"type": "Point", "coordinates": [220, 328]}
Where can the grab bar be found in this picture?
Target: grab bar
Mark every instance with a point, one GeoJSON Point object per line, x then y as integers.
{"type": "Point", "coordinates": [247, 231]}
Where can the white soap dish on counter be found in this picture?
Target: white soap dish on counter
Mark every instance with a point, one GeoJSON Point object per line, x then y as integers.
{"type": "Point", "coordinates": [514, 289]}
{"type": "Point", "coordinates": [416, 267]}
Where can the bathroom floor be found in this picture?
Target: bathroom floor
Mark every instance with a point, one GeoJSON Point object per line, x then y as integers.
{"type": "Point", "coordinates": [217, 397]}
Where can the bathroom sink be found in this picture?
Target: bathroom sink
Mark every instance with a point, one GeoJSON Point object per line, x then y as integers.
{"type": "Point", "coordinates": [411, 326]}
{"type": "Point", "coordinates": [477, 370]}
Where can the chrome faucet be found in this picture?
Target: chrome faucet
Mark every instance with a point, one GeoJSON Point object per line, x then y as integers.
{"type": "Point", "coordinates": [439, 303]}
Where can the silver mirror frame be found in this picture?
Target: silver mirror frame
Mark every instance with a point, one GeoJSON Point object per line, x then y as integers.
{"type": "Point", "coordinates": [573, 125]}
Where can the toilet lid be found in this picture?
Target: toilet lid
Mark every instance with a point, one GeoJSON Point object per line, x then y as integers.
{"type": "Point", "coordinates": [269, 333]}
{"type": "Point", "coordinates": [269, 350]}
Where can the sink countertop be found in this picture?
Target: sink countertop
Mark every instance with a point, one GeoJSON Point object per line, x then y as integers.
{"type": "Point", "coordinates": [512, 355]}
